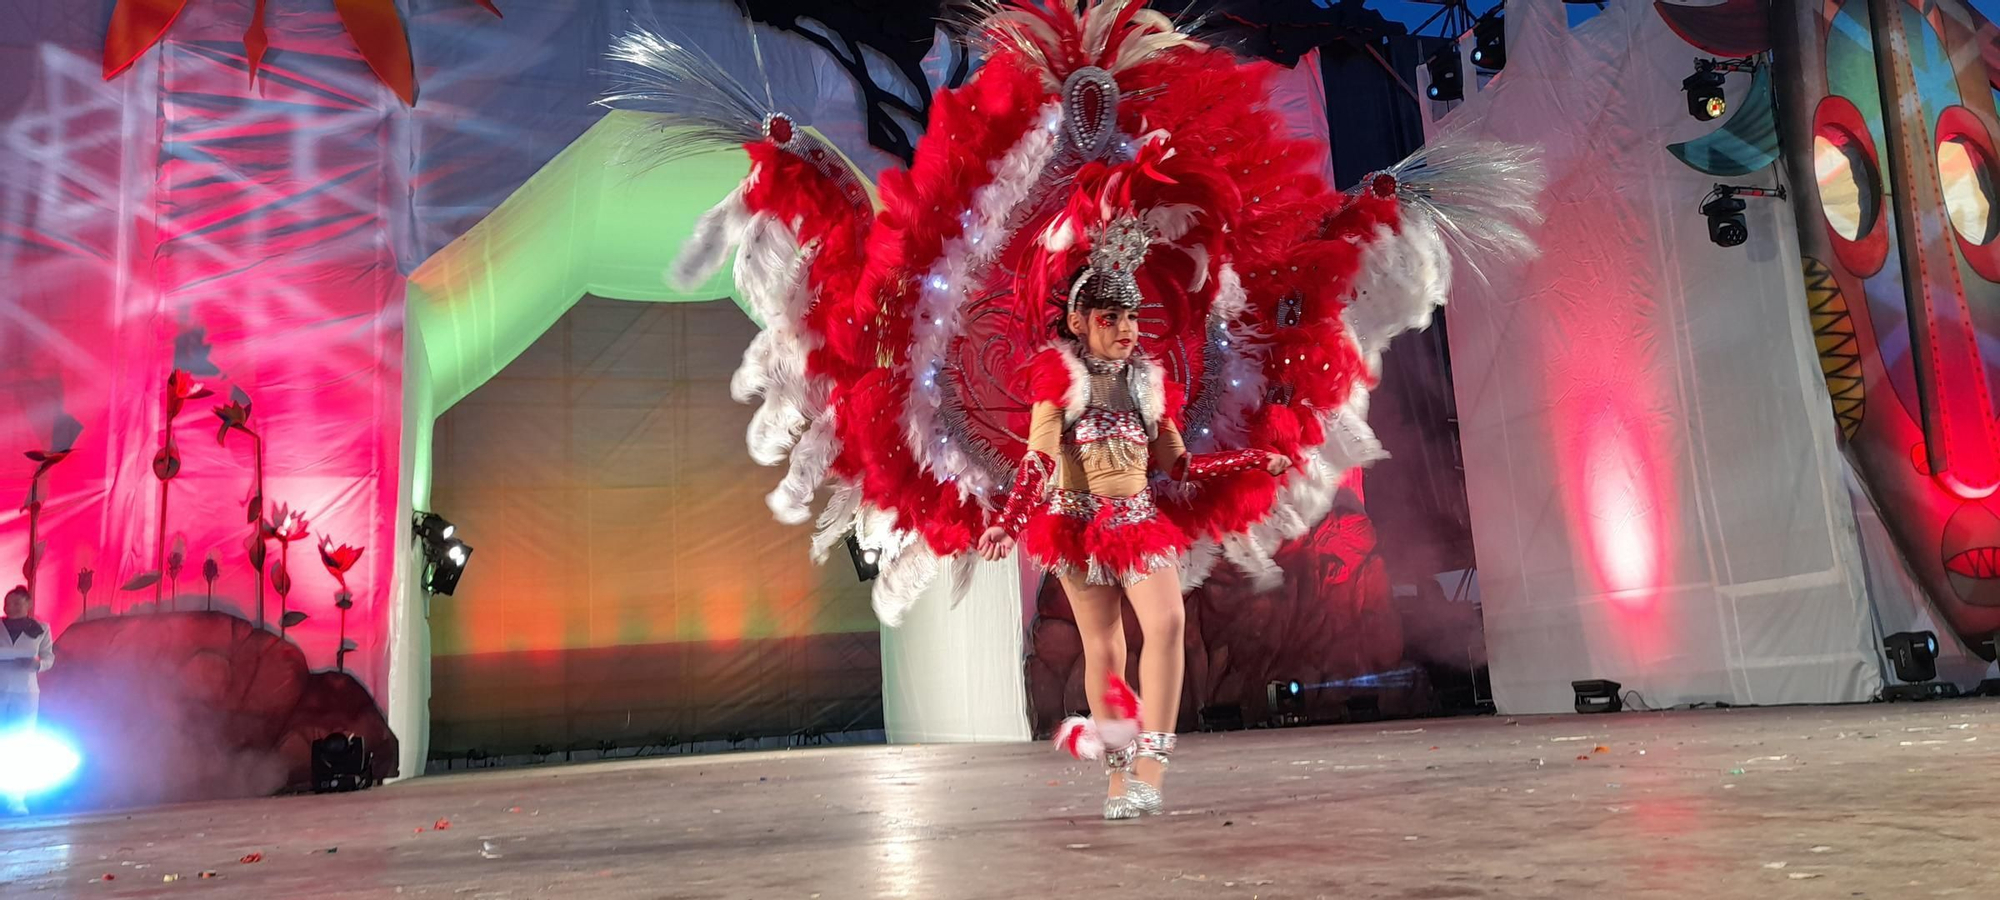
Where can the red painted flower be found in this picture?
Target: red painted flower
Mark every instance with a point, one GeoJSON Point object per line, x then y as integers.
{"type": "Point", "coordinates": [181, 387]}
{"type": "Point", "coordinates": [286, 525]}
{"type": "Point", "coordinates": [339, 560]}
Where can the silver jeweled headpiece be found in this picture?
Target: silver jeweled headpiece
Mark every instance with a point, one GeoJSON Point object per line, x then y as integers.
{"type": "Point", "coordinates": [1116, 253]}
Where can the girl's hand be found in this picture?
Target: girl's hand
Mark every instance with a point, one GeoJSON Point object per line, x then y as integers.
{"type": "Point", "coordinates": [995, 543]}
{"type": "Point", "coordinates": [1276, 463]}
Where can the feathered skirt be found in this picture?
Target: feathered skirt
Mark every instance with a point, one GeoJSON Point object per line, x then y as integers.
{"type": "Point", "coordinates": [1103, 540]}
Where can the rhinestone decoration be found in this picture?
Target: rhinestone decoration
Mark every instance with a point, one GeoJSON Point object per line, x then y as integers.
{"type": "Point", "coordinates": [805, 145]}
{"type": "Point", "coordinates": [1114, 438]}
{"type": "Point", "coordinates": [1291, 310]}
{"type": "Point", "coordinates": [1202, 410]}
{"type": "Point", "coordinates": [1090, 111]}
{"type": "Point", "coordinates": [1116, 253]}
{"type": "Point", "coordinates": [1124, 510]}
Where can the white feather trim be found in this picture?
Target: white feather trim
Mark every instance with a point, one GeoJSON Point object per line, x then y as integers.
{"type": "Point", "coordinates": [1153, 404]}
{"type": "Point", "coordinates": [1230, 298]}
{"type": "Point", "coordinates": [750, 379]}
{"type": "Point", "coordinates": [1118, 732]}
{"type": "Point", "coordinates": [1083, 733]}
{"type": "Point", "coordinates": [839, 516]}
{"type": "Point", "coordinates": [1255, 561]}
{"type": "Point", "coordinates": [905, 575]}
{"type": "Point", "coordinates": [1242, 389]}
{"type": "Point", "coordinates": [1350, 442]}
{"type": "Point", "coordinates": [791, 503]}
{"type": "Point", "coordinates": [942, 295]}
{"type": "Point", "coordinates": [1199, 563]}
{"type": "Point", "coordinates": [714, 233]}
{"type": "Point", "coordinates": [1097, 24]}
{"type": "Point", "coordinates": [770, 268]}
{"type": "Point", "coordinates": [1199, 254]}
{"type": "Point", "coordinates": [1059, 235]}
{"type": "Point", "coordinates": [1304, 498]}
{"type": "Point", "coordinates": [1077, 398]}
{"type": "Point", "coordinates": [1138, 50]}
{"type": "Point", "coordinates": [1403, 277]}
{"type": "Point", "coordinates": [1171, 221]}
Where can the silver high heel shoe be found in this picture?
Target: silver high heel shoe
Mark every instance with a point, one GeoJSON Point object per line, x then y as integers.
{"type": "Point", "coordinates": [1120, 761]}
{"type": "Point", "coordinates": [1145, 798]}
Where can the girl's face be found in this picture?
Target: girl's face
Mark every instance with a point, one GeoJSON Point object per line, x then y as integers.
{"type": "Point", "coordinates": [1107, 333]}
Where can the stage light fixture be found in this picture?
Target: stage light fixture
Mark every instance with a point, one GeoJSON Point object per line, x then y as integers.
{"type": "Point", "coordinates": [867, 560]}
{"type": "Point", "coordinates": [1597, 695]}
{"type": "Point", "coordinates": [1704, 88]}
{"type": "Point", "coordinates": [1913, 654]}
{"type": "Point", "coordinates": [1285, 702]}
{"type": "Point", "coordinates": [448, 566]}
{"type": "Point", "coordinates": [1726, 225]}
{"type": "Point", "coordinates": [1724, 207]}
{"type": "Point", "coordinates": [341, 762]}
{"type": "Point", "coordinates": [1489, 40]}
{"type": "Point", "coordinates": [434, 530]}
{"type": "Point", "coordinates": [1704, 93]}
{"type": "Point", "coordinates": [445, 555]}
{"type": "Point", "coordinates": [1446, 82]}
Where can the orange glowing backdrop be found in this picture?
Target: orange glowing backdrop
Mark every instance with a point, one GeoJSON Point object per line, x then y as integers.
{"type": "Point", "coordinates": [629, 584]}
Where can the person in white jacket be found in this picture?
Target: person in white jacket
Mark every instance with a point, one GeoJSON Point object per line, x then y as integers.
{"type": "Point", "coordinates": [27, 649]}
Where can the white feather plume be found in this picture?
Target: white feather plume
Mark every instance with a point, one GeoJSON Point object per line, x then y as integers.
{"type": "Point", "coordinates": [715, 233]}
{"type": "Point", "coordinates": [905, 575]}
{"type": "Point", "coordinates": [836, 520]}
{"type": "Point", "coordinates": [811, 459]}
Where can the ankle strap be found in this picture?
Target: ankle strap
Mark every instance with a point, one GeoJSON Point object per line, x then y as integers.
{"type": "Point", "coordinates": [1120, 758]}
{"type": "Point", "coordinates": [1158, 745]}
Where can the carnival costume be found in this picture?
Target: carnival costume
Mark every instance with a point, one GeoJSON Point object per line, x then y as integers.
{"type": "Point", "coordinates": [905, 364]}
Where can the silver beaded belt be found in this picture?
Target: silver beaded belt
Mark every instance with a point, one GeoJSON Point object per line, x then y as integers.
{"type": "Point", "coordinates": [1124, 510]}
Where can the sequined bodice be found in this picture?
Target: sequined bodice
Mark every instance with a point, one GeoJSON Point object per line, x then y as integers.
{"type": "Point", "coordinates": [1110, 434]}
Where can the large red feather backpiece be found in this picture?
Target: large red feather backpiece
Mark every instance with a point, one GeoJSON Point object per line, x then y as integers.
{"type": "Point", "coordinates": [896, 331]}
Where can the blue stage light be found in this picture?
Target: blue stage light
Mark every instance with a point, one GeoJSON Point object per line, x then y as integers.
{"type": "Point", "coordinates": [33, 761]}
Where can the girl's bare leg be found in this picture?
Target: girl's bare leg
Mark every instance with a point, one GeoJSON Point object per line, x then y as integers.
{"type": "Point", "coordinates": [1162, 658]}
{"type": "Point", "coordinates": [1100, 619]}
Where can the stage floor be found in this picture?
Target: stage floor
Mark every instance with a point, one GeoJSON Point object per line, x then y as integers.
{"type": "Point", "coordinates": [1861, 801]}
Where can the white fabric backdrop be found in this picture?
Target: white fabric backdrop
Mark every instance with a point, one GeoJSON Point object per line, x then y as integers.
{"type": "Point", "coordinates": [1650, 454]}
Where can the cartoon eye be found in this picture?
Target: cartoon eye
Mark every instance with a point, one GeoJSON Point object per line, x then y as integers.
{"type": "Point", "coordinates": [1847, 171]}
{"type": "Point", "coordinates": [1965, 160]}
{"type": "Point", "coordinates": [1848, 195]}
{"type": "Point", "coordinates": [1966, 174]}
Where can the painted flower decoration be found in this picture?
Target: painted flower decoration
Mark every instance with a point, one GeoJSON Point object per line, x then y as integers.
{"type": "Point", "coordinates": [286, 525]}
{"type": "Point", "coordinates": [376, 27]}
{"type": "Point", "coordinates": [339, 559]}
{"type": "Point", "coordinates": [234, 414]}
{"type": "Point", "coordinates": [181, 387]}
{"type": "Point", "coordinates": [45, 460]}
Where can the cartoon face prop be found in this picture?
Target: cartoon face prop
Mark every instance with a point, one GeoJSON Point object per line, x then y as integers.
{"type": "Point", "coordinates": [1888, 127]}
{"type": "Point", "coordinates": [1883, 114]}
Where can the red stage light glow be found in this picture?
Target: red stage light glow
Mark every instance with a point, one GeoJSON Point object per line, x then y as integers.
{"type": "Point", "coordinates": [1620, 496]}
